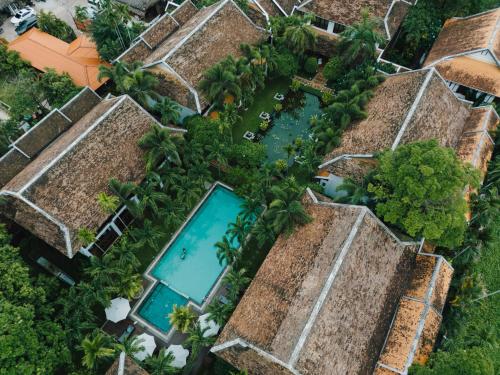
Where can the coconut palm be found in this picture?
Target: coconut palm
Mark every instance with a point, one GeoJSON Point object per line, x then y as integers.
{"type": "Point", "coordinates": [129, 285]}
{"type": "Point", "coordinates": [108, 203]}
{"type": "Point", "coordinates": [140, 84]}
{"type": "Point", "coordinates": [327, 140]}
{"type": "Point", "coordinates": [182, 318]}
{"type": "Point", "coordinates": [237, 281]}
{"type": "Point", "coordinates": [124, 254]}
{"type": "Point", "coordinates": [117, 73]}
{"type": "Point", "coordinates": [360, 41]}
{"type": "Point", "coordinates": [216, 152]}
{"type": "Point", "coordinates": [355, 193]}
{"type": "Point", "coordinates": [168, 110]}
{"type": "Point", "coordinates": [300, 38]}
{"type": "Point", "coordinates": [151, 198]}
{"type": "Point", "coordinates": [159, 146]}
{"type": "Point", "coordinates": [219, 82]}
{"type": "Point", "coordinates": [161, 364]}
{"type": "Point", "coordinates": [263, 230]}
{"type": "Point", "coordinates": [86, 236]}
{"type": "Point", "coordinates": [250, 209]}
{"type": "Point", "coordinates": [290, 151]}
{"type": "Point", "coordinates": [225, 251]}
{"type": "Point", "coordinates": [122, 190]}
{"type": "Point", "coordinates": [239, 230]}
{"type": "Point", "coordinates": [189, 191]}
{"type": "Point", "coordinates": [286, 209]}
{"type": "Point", "coordinates": [96, 347]}
{"type": "Point", "coordinates": [220, 312]}
{"type": "Point", "coordinates": [131, 346]}
{"type": "Point", "coordinates": [196, 341]}
{"type": "Point", "coordinates": [148, 235]}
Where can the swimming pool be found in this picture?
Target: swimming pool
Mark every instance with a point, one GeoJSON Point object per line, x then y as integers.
{"type": "Point", "coordinates": [290, 123]}
{"type": "Point", "coordinates": [191, 277]}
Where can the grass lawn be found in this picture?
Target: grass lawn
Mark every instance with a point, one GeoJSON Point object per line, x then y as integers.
{"type": "Point", "coordinates": [263, 102]}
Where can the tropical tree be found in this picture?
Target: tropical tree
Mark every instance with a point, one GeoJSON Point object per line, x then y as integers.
{"type": "Point", "coordinates": [220, 312]}
{"type": "Point", "coordinates": [217, 153]}
{"type": "Point", "coordinates": [140, 84]}
{"type": "Point", "coordinates": [117, 73]}
{"type": "Point", "coordinates": [129, 285]}
{"type": "Point", "coordinates": [108, 203]}
{"type": "Point", "coordinates": [239, 230]}
{"type": "Point", "coordinates": [250, 209]}
{"type": "Point", "coordinates": [286, 210]}
{"type": "Point", "coordinates": [168, 110]}
{"type": "Point", "coordinates": [159, 147]}
{"type": "Point", "coordinates": [359, 42]}
{"type": "Point", "coordinates": [237, 280]}
{"type": "Point", "coordinates": [354, 193]}
{"type": "Point", "coordinates": [196, 339]}
{"type": "Point", "coordinates": [161, 364]}
{"type": "Point", "coordinates": [225, 251]}
{"type": "Point", "coordinates": [219, 82]}
{"type": "Point", "coordinates": [147, 235]}
{"type": "Point", "coordinates": [419, 187]}
{"type": "Point", "coordinates": [86, 236]}
{"type": "Point", "coordinates": [49, 23]}
{"type": "Point", "coordinates": [131, 346]}
{"type": "Point", "coordinates": [300, 38]}
{"type": "Point", "coordinates": [263, 230]}
{"type": "Point", "coordinates": [96, 347]}
{"type": "Point", "coordinates": [182, 318]}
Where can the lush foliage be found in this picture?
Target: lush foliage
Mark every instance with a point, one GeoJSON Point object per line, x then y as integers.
{"type": "Point", "coordinates": [57, 88]}
{"type": "Point", "coordinates": [48, 22]}
{"type": "Point", "coordinates": [419, 187]}
{"type": "Point", "coordinates": [113, 29]}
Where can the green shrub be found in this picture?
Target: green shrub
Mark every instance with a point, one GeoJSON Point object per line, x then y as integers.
{"type": "Point", "coordinates": [287, 64]}
{"type": "Point", "coordinates": [334, 69]}
{"type": "Point", "coordinates": [264, 125]}
{"type": "Point", "coordinates": [295, 85]}
{"type": "Point", "coordinates": [311, 65]}
{"type": "Point", "coordinates": [54, 26]}
{"type": "Point", "coordinates": [278, 107]}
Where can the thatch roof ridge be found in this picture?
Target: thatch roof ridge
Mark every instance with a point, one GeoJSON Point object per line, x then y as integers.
{"type": "Point", "coordinates": [287, 326]}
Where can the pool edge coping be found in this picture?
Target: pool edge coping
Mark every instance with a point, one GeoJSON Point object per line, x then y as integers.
{"type": "Point", "coordinates": [154, 281]}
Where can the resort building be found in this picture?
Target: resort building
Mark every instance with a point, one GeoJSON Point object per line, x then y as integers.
{"type": "Point", "coordinates": [182, 44]}
{"type": "Point", "coordinates": [409, 107]}
{"type": "Point", "coordinates": [79, 58]}
{"type": "Point", "coordinates": [341, 295]}
{"type": "Point", "coordinates": [467, 55]}
{"type": "Point", "coordinates": [333, 16]}
{"type": "Point", "coordinates": [145, 8]}
{"type": "Point", "coordinates": [52, 175]}
{"type": "Point", "coordinates": [124, 365]}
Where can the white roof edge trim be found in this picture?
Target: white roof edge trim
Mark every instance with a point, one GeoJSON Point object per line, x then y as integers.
{"type": "Point", "coordinates": [475, 15]}
{"type": "Point", "coordinates": [185, 83]}
{"type": "Point", "coordinates": [347, 157]}
{"type": "Point", "coordinates": [72, 144]}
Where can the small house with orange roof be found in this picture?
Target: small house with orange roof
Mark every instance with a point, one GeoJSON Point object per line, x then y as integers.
{"type": "Point", "coordinates": [79, 58]}
{"type": "Point", "coordinates": [467, 54]}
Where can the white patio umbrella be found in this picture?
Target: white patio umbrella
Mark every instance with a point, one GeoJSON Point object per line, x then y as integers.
{"type": "Point", "coordinates": [148, 344]}
{"type": "Point", "coordinates": [180, 355]}
{"type": "Point", "coordinates": [119, 309]}
{"type": "Point", "coordinates": [205, 321]}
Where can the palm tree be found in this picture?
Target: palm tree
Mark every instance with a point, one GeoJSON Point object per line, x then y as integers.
{"type": "Point", "coordinates": [117, 73]}
{"type": "Point", "coordinates": [360, 41]}
{"type": "Point", "coordinates": [286, 209]}
{"type": "Point", "coordinates": [168, 109]}
{"type": "Point", "coordinates": [159, 147]}
{"type": "Point", "coordinates": [150, 198]}
{"type": "Point", "coordinates": [96, 348]}
{"type": "Point", "coordinates": [161, 364]}
{"type": "Point", "coordinates": [239, 230]}
{"type": "Point", "coordinates": [355, 193]}
{"type": "Point", "coordinates": [140, 85]}
{"type": "Point", "coordinates": [225, 251]}
{"type": "Point", "coordinates": [196, 341]}
{"type": "Point", "coordinates": [237, 281]}
{"type": "Point", "coordinates": [263, 230]}
{"type": "Point", "coordinates": [129, 285]}
{"type": "Point", "coordinates": [148, 235]}
{"type": "Point", "coordinates": [108, 203]}
{"type": "Point", "coordinates": [300, 38]}
{"type": "Point", "coordinates": [290, 150]}
{"type": "Point", "coordinates": [220, 312]}
{"type": "Point", "coordinates": [131, 346]}
{"type": "Point", "coordinates": [86, 236]}
{"type": "Point", "coordinates": [182, 318]}
{"type": "Point", "coordinates": [189, 191]}
{"type": "Point", "coordinates": [250, 209]}
{"type": "Point", "coordinates": [219, 82]}
{"type": "Point", "coordinates": [216, 152]}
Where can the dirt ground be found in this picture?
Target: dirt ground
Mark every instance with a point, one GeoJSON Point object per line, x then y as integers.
{"type": "Point", "coordinates": [64, 9]}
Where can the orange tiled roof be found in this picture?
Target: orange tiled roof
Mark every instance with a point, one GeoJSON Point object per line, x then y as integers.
{"type": "Point", "coordinates": [79, 58]}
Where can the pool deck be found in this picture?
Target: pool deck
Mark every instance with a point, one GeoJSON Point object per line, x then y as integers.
{"type": "Point", "coordinates": [172, 336]}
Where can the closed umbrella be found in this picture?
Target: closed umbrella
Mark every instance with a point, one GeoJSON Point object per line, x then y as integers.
{"type": "Point", "coordinates": [206, 322]}
{"type": "Point", "coordinates": [119, 309]}
{"type": "Point", "coordinates": [148, 344]}
{"type": "Point", "coordinates": [180, 355]}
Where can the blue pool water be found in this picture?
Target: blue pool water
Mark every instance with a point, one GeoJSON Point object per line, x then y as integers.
{"type": "Point", "coordinates": [194, 276]}
{"type": "Point", "coordinates": [159, 304]}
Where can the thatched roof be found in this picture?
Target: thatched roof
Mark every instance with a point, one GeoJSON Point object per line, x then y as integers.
{"type": "Point", "coordinates": [467, 52]}
{"type": "Point", "coordinates": [323, 300]}
{"type": "Point", "coordinates": [139, 6]}
{"type": "Point", "coordinates": [405, 108]}
{"type": "Point", "coordinates": [69, 158]}
{"type": "Point", "coordinates": [187, 50]}
{"type": "Point", "coordinates": [468, 34]}
{"type": "Point", "coordinates": [124, 365]}
{"type": "Point", "coordinates": [390, 13]}
{"type": "Point", "coordinates": [416, 324]}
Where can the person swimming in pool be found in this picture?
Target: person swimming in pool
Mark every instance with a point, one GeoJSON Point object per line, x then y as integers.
{"type": "Point", "coordinates": [183, 253]}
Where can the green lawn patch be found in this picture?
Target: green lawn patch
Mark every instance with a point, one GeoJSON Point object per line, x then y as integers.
{"type": "Point", "coordinates": [264, 102]}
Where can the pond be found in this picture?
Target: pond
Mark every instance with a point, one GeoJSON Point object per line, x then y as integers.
{"type": "Point", "coordinates": [290, 123]}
